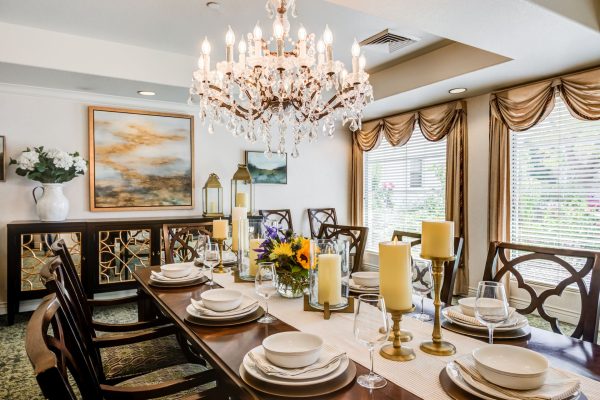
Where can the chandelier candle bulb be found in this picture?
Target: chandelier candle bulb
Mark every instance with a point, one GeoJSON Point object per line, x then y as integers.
{"type": "Point", "coordinates": [220, 228]}
{"type": "Point", "coordinates": [321, 51]}
{"type": "Point", "coordinates": [395, 274]}
{"type": "Point", "coordinates": [437, 239]}
{"type": "Point", "coordinates": [355, 54]}
{"type": "Point", "coordinates": [242, 52]}
{"type": "Point", "coordinates": [329, 276]}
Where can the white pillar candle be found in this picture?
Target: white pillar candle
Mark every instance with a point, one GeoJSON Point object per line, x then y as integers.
{"type": "Point", "coordinates": [437, 240]}
{"type": "Point", "coordinates": [220, 227]}
{"type": "Point", "coordinates": [238, 215]}
{"type": "Point", "coordinates": [241, 200]}
{"type": "Point", "coordinates": [212, 207]}
{"type": "Point", "coordinates": [329, 275]}
{"type": "Point", "coordinates": [395, 275]}
{"type": "Point", "coordinates": [254, 246]}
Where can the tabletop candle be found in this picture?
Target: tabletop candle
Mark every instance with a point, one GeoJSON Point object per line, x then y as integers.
{"type": "Point", "coordinates": [254, 246]}
{"type": "Point", "coordinates": [241, 200]}
{"type": "Point", "coordinates": [329, 276]}
{"type": "Point", "coordinates": [395, 275]}
{"type": "Point", "coordinates": [238, 216]}
{"type": "Point", "coordinates": [212, 207]}
{"type": "Point", "coordinates": [437, 239]}
{"type": "Point", "coordinates": [220, 228]}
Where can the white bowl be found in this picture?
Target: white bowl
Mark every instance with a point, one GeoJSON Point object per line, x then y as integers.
{"type": "Point", "coordinates": [221, 299]}
{"type": "Point", "coordinates": [176, 270]}
{"type": "Point", "coordinates": [511, 366]}
{"type": "Point", "coordinates": [292, 349]}
{"type": "Point", "coordinates": [467, 306]}
{"type": "Point", "coordinates": [366, 278]}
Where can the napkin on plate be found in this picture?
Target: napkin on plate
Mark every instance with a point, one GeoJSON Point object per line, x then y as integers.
{"type": "Point", "coordinates": [159, 276]}
{"type": "Point", "coordinates": [246, 305]}
{"type": "Point", "coordinates": [559, 384]}
{"type": "Point", "coordinates": [266, 367]}
{"type": "Point", "coordinates": [456, 314]}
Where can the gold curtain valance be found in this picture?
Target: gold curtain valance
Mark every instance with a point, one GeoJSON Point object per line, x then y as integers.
{"type": "Point", "coordinates": [435, 122]}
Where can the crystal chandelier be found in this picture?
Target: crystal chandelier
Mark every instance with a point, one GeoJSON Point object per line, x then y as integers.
{"type": "Point", "coordinates": [294, 90]}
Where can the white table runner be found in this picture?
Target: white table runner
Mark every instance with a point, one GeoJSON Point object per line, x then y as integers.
{"type": "Point", "coordinates": [419, 376]}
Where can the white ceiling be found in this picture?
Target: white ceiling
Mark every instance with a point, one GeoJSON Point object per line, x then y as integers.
{"type": "Point", "coordinates": [121, 46]}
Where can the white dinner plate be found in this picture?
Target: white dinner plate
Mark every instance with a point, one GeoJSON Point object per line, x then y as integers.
{"type": "Point", "coordinates": [362, 289]}
{"type": "Point", "coordinates": [249, 366]}
{"type": "Point", "coordinates": [522, 322]}
{"type": "Point", "coordinates": [194, 274]}
{"type": "Point", "coordinates": [195, 314]}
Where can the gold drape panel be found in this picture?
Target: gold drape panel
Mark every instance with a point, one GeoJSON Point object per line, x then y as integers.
{"type": "Point", "coordinates": [446, 120]}
{"type": "Point", "coordinates": [519, 109]}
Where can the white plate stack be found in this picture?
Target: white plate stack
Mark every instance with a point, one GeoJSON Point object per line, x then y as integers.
{"type": "Point", "coordinates": [229, 257]}
{"type": "Point", "coordinates": [364, 282]}
{"type": "Point", "coordinates": [176, 275]}
{"type": "Point", "coordinates": [221, 305]}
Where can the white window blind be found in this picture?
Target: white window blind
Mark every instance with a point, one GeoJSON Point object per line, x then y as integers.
{"type": "Point", "coordinates": [403, 186]}
{"type": "Point", "coordinates": [555, 189]}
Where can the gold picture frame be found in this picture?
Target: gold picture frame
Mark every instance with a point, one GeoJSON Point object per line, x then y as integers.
{"type": "Point", "coordinates": [140, 160]}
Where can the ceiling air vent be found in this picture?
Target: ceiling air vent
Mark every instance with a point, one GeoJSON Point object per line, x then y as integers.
{"type": "Point", "coordinates": [392, 41]}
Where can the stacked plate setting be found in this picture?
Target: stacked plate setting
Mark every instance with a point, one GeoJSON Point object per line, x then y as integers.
{"type": "Point", "coordinates": [364, 282]}
{"type": "Point", "coordinates": [294, 359]}
{"type": "Point", "coordinates": [229, 257]}
{"type": "Point", "coordinates": [174, 275]}
{"type": "Point", "coordinates": [221, 305]}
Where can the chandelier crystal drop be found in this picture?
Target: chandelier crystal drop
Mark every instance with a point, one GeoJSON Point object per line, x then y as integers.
{"type": "Point", "coordinates": [280, 87]}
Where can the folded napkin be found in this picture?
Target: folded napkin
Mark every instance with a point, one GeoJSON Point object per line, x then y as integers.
{"type": "Point", "coordinates": [266, 367]}
{"type": "Point", "coordinates": [246, 305]}
{"type": "Point", "coordinates": [559, 384]}
{"type": "Point", "coordinates": [455, 313]}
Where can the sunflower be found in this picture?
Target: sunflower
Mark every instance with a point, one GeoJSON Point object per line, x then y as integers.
{"type": "Point", "coordinates": [282, 249]}
{"type": "Point", "coordinates": [303, 254]}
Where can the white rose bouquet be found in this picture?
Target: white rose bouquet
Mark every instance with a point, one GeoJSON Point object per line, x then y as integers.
{"type": "Point", "coordinates": [49, 166]}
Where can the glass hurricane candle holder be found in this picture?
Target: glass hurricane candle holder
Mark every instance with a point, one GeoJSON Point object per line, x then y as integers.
{"type": "Point", "coordinates": [328, 280]}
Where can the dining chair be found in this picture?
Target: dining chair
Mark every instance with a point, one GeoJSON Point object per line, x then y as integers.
{"type": "Point", "coordinates": [450, 267]}
{"type": "Point", "coordinates": [57, 355]}
{"type": "Point", "coordinates": [581, 269]}
{"type": "Point", "coordinates": [356, 235]}
{"type": "Point", "coordinates": [319, 216]}
{"type": "Point", "coordinates": [282, 217]}
{"type": "Point", "coordinates": [179, 240]}
{"type": "Point", "coordinates": [119, 348]}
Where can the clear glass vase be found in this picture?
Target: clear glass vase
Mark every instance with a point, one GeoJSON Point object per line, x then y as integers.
{"type": "Point", "coordinates": [291, 286]}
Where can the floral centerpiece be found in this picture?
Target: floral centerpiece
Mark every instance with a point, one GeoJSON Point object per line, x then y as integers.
{"type": "Point", "coordinates": [51, 168]}
{"type": "Point", "coordinates": [292, 257]}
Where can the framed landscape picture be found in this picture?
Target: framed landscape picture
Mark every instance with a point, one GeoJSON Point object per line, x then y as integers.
{"type": "Point", "coordinates": [140, 160]}
{"type": "Point", "coordinates": [2, 158]}
{"type": "Point", "coordinates": [267, 170]}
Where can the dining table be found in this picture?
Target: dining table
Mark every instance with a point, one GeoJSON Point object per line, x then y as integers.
{"type": "Point", "coordinates": [225, 347]}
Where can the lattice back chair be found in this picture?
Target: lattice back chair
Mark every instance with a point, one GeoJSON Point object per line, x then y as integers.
{"type": "Point", "coordinates": [319, 216]}
{"type": "Point", "coordinates": [179, 240]}
{"type": "Point", "coordinates": [356, 235]}
{"type": "Point", "coordinates": [283, 218]}
{"type": "Point", "coordinates": [57, 354]}
{"type": "Point", "coordinates": [450, 267]}
{"type": "Point", "coordinates": [577, 266]}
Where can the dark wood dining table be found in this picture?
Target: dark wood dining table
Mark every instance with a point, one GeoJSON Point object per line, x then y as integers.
{"type": "Point", "coordinates": [225, 347]}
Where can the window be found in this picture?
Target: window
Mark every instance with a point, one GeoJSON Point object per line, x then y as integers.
{"type": "Point", "coordinates": [403, 186]}
{"type": "Point", "coordinates": [555, 188]}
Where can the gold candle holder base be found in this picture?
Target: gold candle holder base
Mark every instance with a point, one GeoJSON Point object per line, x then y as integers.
{"type": "Point", "coordinates": [436, 346]}
{"type": "Point", "coordinates": [395, 351]}
{"type": "Point", "coordinates": [219, 268]}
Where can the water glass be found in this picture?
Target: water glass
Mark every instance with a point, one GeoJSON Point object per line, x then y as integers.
{"type": "Point", "coordinates": [422, 283]}
{"type": "Point", "coordinates": [491, 305]}
{"type": "Point", "coordinates": [212, 256]}
{"type": "Point", "coordinates": [369, 317]}
{"type": "Point", "coordinates": [200, 245]}
{"type": "Point", "coordinates": [265, 286]}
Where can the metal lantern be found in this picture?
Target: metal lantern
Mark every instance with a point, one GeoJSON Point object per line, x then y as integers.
{"type": "Point", "coordinates": [242, 189]}
{"type": "Point", "coordinates": [212, 197]}
{"type": "Point", "coordinates": [329, 277]}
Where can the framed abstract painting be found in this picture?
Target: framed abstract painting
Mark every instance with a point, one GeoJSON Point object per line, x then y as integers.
{"type": "Point", "coordinates": [265, 169]}
{"type": "Point", "coordinates": [140, 160]}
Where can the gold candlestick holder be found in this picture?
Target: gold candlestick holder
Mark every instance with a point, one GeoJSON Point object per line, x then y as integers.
{"type": "Point", "coordinates": [436, 346]}
{"type": "Point", "coordinates": [220, 269]}
{"type": "Point", "coordinates": [395, 351]}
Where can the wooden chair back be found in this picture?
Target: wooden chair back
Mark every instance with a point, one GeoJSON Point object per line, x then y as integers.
{"type": "Point", "coordinates": [319, 216]}
{"type": "Point", "coordinates": [179, 240]}
{"type": "Point", "coordinates": [450, 267]}
{"type": "Point", "coordinates": [356, 235]}
{"type": "Point", "coordinates": [499, 263]}
{"type": "Point", "coordinates": [281, 217]}
{"type": "Point", "coordinates": [56, 353]}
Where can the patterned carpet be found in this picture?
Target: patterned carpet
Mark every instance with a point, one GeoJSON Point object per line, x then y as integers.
{"type": "Point", "coordinates": [16, 375]}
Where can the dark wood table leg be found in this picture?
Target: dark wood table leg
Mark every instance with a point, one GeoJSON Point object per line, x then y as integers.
{"type": "Point", "coordinates": [146, 309]}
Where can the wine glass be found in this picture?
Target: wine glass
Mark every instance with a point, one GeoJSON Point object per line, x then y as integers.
{"type": "Point", "coordinates": [265, 287]}
{"type": "Point", "coordinates": [491, 305]}
{"type": "Point", "coordinates": [422, 283]}
{"type": "Point", "coordinates": [369, 319]}
{"type": "Point", "coordinates": [200, 245]}
{"type": "Point", "coordinates": [211, 259]}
